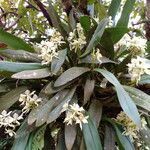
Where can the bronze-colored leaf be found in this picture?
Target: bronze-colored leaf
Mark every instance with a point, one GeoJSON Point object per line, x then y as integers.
{"type": "Point", "coordinates": [55, 113]}
{"type": "Point", "coordinates": [70, 136]}
{"type": "Point", "coordinates": [70, 74]}
{"type": "Point", "coordinates": [109, 140]}
{"type": "Point", "coordinates": [11, 97]}
{"type": "Point", "coordinates": [95, 111]}
{"type": "Point", "coordinates": [88, 90]}
{"type": "Point", "coordinates": [43, 114]}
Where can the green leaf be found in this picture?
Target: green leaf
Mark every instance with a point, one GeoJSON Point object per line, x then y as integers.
{"type": "Point", "coordinates": [18, 67]}
{"type": "Point", "coordinates": [20, 55]}
{"type": "Point", "coordinates": [96, 37]}
{"type": "Point", "coordinates": [125, 100]}
{"type": "Point", "coordinates": [139, 97]}
{"type": "Point", "coordinates": [55, 113]}
{"type": "Point", "coordinates": [91, 136]}
{"type": "Point", "coordinates": [117, 33]}
{"type": "Point", "coordinates": [127, 9]}
{"type": "Point", "coordinates": [11, 97]}
{"type": "Point", "coordinates": [32, 74]}
{"type": "Point", "coordinates": [58, 62]}
{"type": "Point", "coordinates": [90, 60]}
{"type": "Point", "coordinates": [86, 23]}
{"type": "Point", "coordinates": [36, 139]}
{"type": "Point", "coordinates": [69, 75]}
{"type": "Point", "coordinates": [22, 136]}
{"type": "Point", "coordinates": [70, 136]}
{"type": "Point", "coordinates": [88, 90]}
{"type": "Point", "coordinates": [109, 140]}
{"type": "Point", "coordinates": [113, 8]}
{"type": "Point", "coordinates": [43, 113]}
{"type": "Point", "coordinates": [61, 141]}
{"type": "Point", "coordinates": [13, 41]}
{"type": "Point", "coordinates": [123, 141]}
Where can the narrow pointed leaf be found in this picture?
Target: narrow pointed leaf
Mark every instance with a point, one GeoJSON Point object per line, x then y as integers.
{"type": "Point", "coordinates": [70, 136]}
{"type": "Point", "coordinates": [109, 140]}
{"type": "Point", "coordinates": [32, 74]}
{"type": "Point", "coordinates": [43, 113]}
{"type": "Point", "coordinates": [20, 55]}
{"type": "Point", "coordinates": [11, 97]}
{"type": "Point", "coordinates": [113, 8]}
{"type": "Point", "coordinates": [58, 62]}
{"type": "Point", "coordinates": [88, 90]}
{"type": "Point", "coordinates": [13, 41]}
{"type": "Point", "coordinates": [69, 75]}
{"type": "Point", "coordinates": [95, 112]}
{"type": "Point", "coordinates": [96, 37]}
{"type": "Point", "coordinates": [91, 136]}
{"type": "Point", "coordinates": [55, 113]}
{"type": "Point", "coordinates": [123, 141]}
{"type": "Point", "coordinates": [127, 9]}
{"type": "Point", "coordinates": [125, 100]}
{"type": "Point", "coordinates": [17, 67]}
{"type": "Point", "coordinates": [139, 97]}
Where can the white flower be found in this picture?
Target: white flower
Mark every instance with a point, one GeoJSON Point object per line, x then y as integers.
{"type": "Point", "coordinates": [97, 55]}
{"type": "Point", "coordinates": [9, 122]}
{"type": "Point", "coordinates": [130, 127]}
{"type": "Point", "coordinates": [29, 100]}
{"type": "Point", "coordinates": [135, 44]}
{"type": "Point", "coordinates": [75, 114]}
{"type": "Point", "coordinates": [138, 67]}
{"type": "Point", "coordinates": [10, 132]}
{"type": "Point", "coordinates": [76, 39]}
{"type": "Point", "coordinates": [48, 48]}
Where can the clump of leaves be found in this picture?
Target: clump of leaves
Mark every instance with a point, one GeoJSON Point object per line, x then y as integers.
{"type": "Point", "coordinates": [80, 81]}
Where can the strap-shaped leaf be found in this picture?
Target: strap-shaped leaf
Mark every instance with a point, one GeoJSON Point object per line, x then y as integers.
{"type": "Point", "coordinates": [18, 67]}
{"type": "Point", "coordinates": [43, 114]}
{"type": "Point", "coordinates": [123, 141]}
{"type": "Point", "coordinates": [91, 136]}
{"type": "Point", "coordinates": [13, 41]}
{"type": "Point", "coordinates": [32, 74]}
{"type": "Point", "coordinates": [70, 136]}
{"type": "Point", "coordinates": [96, 37]}
{"type": "Point", "coordinates": [55, 113]}
{"type": "Point", "coordinates": [127, 9]}
{"type": "Point", "coordinates": [69, 75]}
{"type": "Point", "coordinates": [109, 140]}
{"type": "Point", "coordinates": [20, 55]}
{"type": "Point", "coordinates": [11, 97]}
{"type": "Point", "coordinates": [140, 98]}
{"type": "Point", "coordinates": [125, 100]}
{"type": "Point", "coordinates": [22, 136]}
{"type": "Point", "coordinates": [58, 62]}
{"type": "Point", "coordinates": [88, 90]}
{"type": "Point", "coordinates": [113, 8]}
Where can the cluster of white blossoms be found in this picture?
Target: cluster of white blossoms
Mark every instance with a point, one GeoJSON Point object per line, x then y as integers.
{"type": "Point", "coordinates": [9, 121]}
{"type": "Point", "coordinates": [77, 39]}
{"type": "Point", "coordinates": [29, 100]}
{"type": "Point", "coordinates": [48, 48]}
{"type": "Point", "coordinates": [138, 67]}
{"type": "Point", "coordinates": [135, 44]}
{"type": "Point", "coordinates": [130, 127]}
{"type": "Point", "coordinates": [74, 114]}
